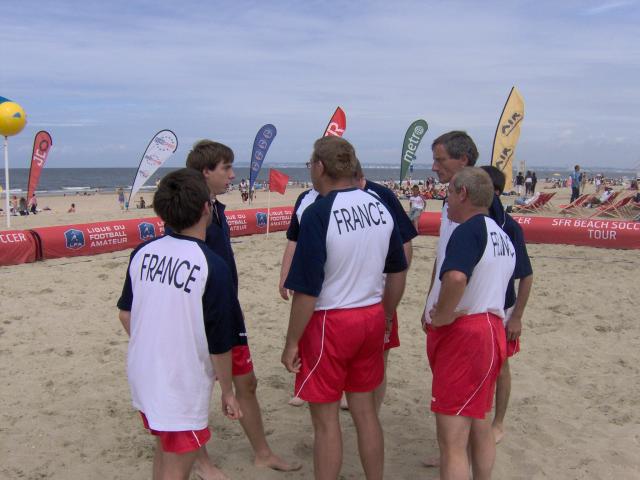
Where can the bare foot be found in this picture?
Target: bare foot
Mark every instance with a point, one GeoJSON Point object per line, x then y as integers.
{"type": "Point", "coordinates": [296, 402]}
{"type": "Point", "coordinates": [498, 432]}
{"type": "Point", "coordinates": [209, 471]}
{"type": "Point", "coordinates": [343, 402]}
{"type": "Point", "coordinates": [276, 463]}
{"type": "Point", "coordinates": [431, 462]}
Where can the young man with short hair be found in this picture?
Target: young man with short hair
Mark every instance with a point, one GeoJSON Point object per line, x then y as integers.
{"type": "Point", "coordinates": [334, 344]}
{"type": "Point", "coordinates": [215, 161]}
{"type": "Point", "coordinates": [465, 341]}
{"type": "Point", "coordinates": [176, 305]}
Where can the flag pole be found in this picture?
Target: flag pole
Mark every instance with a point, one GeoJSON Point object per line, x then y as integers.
{"type": "Point", "coordinates": [268, 210]}
{"type": "Point", "coordinates": [7, 211]}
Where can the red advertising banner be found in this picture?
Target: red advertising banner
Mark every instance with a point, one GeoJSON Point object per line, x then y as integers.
{"type": "Point", "coordinates": [337, 125]}
{"type": "Point", "coordinates": [250, 222]}
{"type": "Point", "coordinates": [103, 237]}
{"type": "Point", "coordinates": [17, 246]}
{"type": "Point", "coordinates": [94, 238]}
{"type": "Point", "coordinates": [589, 232]}
{"type": "Point", "coordinates": [41, 145]}
{"type": "Point", "coordinates": [20, 246]}
{"type": "Point", "coordinates": [602, 233]}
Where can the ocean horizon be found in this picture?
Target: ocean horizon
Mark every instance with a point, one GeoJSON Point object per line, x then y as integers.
{"type": "Point", "coordinates": [61, 180]}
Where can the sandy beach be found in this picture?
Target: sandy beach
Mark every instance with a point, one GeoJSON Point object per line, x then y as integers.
{"type": "Point", "coordinates": [66, 410]}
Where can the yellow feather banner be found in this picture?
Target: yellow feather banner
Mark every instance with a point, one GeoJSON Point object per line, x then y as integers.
{"type": "Point", "coordinates": [507, 135]}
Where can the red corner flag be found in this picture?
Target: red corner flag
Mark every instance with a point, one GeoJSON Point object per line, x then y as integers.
{"type": "Point", "coordinates": [277, 181]}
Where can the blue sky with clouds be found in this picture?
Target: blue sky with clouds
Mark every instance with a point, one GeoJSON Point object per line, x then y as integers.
{"type": "Point", "coordinates": [103, 77]}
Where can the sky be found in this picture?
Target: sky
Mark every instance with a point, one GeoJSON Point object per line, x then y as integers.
{"type": "Point", "coordinates": [104, 77]}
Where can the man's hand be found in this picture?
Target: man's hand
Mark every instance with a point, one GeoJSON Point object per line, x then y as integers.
{"type": "Point", "coordinates": [284, 292]}
{"type": "Point", "coordinates": [230, 406]}
{"type": "Point", "coordinates": [514, 328]}
{"type": "Point", "coordinates": [388, 326]}
{"type": "Point", "coordinates": [290, 358]}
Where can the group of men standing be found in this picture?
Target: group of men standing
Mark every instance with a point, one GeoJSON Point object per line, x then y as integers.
{"type": "Point", "coordinates": [345, 265]}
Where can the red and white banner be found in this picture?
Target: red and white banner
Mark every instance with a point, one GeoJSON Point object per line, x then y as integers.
{"type": "Point", "coordinates": [21, 246]}
{"type": "Point", "coordinates": [103, 237]}
{"type": "Point", "coordinates": [41, 145]}
{"type": "Point", "coordinates": [94, 238]}
{"type": "Point", "coordinates": [588, 232]}
{"type": "Point", "coordinates": [337, 125]}
{"type": "Point", "coordinates": [17, 246]}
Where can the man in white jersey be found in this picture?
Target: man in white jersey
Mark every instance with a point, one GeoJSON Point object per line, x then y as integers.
{"type": "Point", "coordinates": [335, 339]}
{"type": "Point", "coordinates": [452, 151]}
{"type": "Point", "coordinates": [466, 345]}
{"type": "Point", "coordinates": [176, 305]}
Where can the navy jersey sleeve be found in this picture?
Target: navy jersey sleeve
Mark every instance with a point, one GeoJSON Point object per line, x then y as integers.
{"type": "Point", "coordinates": [126, 298]}
{"type": "Point", "coordinates": [218, 306]}
{"type": "Point", "coordinates": [523, 263]}
{"type": "Point", "coordinates": [294, 225]}
{"type": "Point", "coordinates": [466, 247]}
{"type": "Point", "coordinates": [307, 267]}
{"type": "Point", "coordinates": [396, 260]}
{"type": "Point", "coordinates": [405, 225]}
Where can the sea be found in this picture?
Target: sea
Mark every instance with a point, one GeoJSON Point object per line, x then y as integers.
{"type": "Point", "coordinates": [58, 181]}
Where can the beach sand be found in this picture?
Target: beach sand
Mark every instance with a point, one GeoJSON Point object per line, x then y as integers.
{"type": "Point", "coordinates": [65, 403]}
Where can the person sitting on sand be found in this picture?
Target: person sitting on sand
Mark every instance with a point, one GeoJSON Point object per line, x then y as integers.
{"type": "Point", "coordinates": [72, 208]}
{"type": "Point", "coordinates": [142, 203]}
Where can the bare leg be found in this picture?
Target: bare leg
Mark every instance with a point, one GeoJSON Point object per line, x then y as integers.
{"type": "Point", "coordinates": [483, 449]}
{"type": "Point", "coordinates": [503, 392]}
{"type": "Point", "coordinates": [327, 444]}
{"type": "Point", "coordinates": [251, 422]}
{"type": "Point", "coordinates": [176, 466]}
{"type": "Point", "coordinates": [205, 468]}
{"type": "Point", "coordinates": [453, 438]}
{"type": "Point", "coordinates": [379, 393]}
{"type": "Point", "coordinates": [157, 461]}
{"type": "Point", "coordinates": [370, 438]}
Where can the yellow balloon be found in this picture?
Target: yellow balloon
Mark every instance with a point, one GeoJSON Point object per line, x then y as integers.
{"type": "Point", "coordinates": [12, 119]}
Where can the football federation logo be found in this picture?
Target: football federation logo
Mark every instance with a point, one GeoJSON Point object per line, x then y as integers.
{"type": "Point", "coordinates": [147, 231]}
{"type": "Point", "coordinates": [74, 239]}
{"type": "Point", "coordinates": [261, 219]}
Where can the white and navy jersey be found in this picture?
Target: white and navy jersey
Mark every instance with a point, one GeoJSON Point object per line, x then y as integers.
{"type": "Point", "coordinates": [481, 250]}
{"type": "Point", "coordinates": [446, 229]}
{"type": "Point", "coordinates": [405, 225]}
{"type": "Point", "coordinates": [305, 199]}
{"type": "Point", "coordinates": [514, 230]}
{"type": "Point", "coordinates": [348, 239]}
{"type": "Point", "coordinates": [181, 296]}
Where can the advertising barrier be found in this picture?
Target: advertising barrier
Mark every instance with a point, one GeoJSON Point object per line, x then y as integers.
{"type": "Point", "coordinates": [24, 246]}
{"type": "Point", "coordinates": [589, 232]}
{"type": "Point", "coordinates": [94, 238]}
{"type": "Point", "coordinates": [103, 237]}
{"type": "Point", "coordinates": [17, 246]}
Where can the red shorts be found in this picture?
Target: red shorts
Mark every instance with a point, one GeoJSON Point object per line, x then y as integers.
{"type": "Point", "coordinates": [179, 442]}
{"type": "Point", "coordinates": [341, 350]}
{"type": "Point", "coordinates": [392, 340]}
{"type": "Point", "coordinates": [241, 358]}
{"type": "Point", "coordinates": [465, 358]}
{"type": "Point", "coordinates": [513, 347]}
